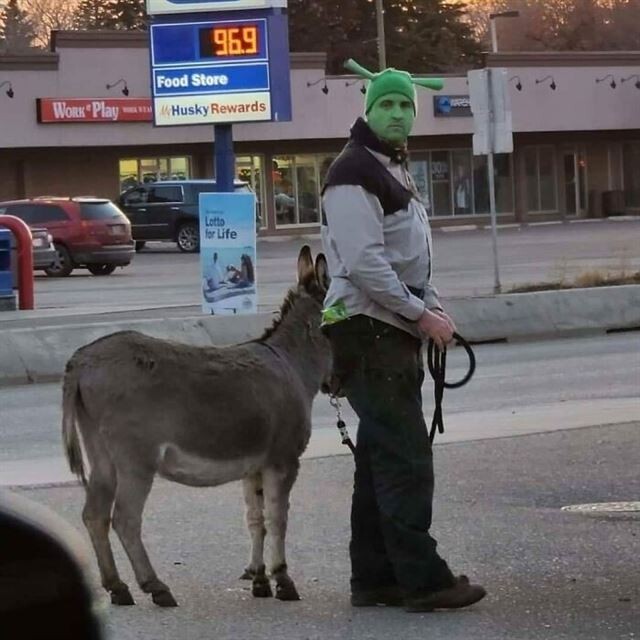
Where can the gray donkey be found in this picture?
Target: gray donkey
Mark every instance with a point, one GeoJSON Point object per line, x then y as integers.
{"type": "Point", "coordinates": [201, 416]}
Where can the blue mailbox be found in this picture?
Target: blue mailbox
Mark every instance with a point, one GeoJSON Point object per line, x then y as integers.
{"type": "Point", "coordinates": [6, 278]}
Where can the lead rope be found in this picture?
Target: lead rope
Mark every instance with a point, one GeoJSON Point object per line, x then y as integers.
{"type": "Point", "coordinates": [437, 364]}
{"type": "Point", "coordinates": [342, 427]}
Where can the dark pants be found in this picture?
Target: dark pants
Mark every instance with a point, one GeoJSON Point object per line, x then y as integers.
{"type": "Point", "coordinates": [380, 371]}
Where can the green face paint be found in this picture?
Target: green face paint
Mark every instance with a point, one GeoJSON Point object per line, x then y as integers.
{"type": "Point", "coordinates": [391, 118]}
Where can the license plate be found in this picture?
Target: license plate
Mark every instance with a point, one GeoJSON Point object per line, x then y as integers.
{"type": "Point", "coordinates": [117, 229]}
{"type": "Point", "coordinates": [38, 242]}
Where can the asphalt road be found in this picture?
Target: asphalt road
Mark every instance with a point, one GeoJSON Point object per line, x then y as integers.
{"type": "Point", "coordinates": [513, 382]}
{"type": "Point", "coordinates": [161, 276]}
{"type": "Point", "coordinates": [550, 575]}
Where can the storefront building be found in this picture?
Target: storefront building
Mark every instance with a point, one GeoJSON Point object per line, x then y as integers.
{"type": "Point", "coordinates": [77, 121]}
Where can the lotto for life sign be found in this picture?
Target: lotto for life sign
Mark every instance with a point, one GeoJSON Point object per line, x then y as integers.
{"type": "Point", "coordinates": [228, 253]}
{"type": "Point", "coordinates": [158, 7]}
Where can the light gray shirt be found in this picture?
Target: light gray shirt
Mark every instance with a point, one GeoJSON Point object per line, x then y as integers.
{"type": "Point", "coordinates": [372, 257]}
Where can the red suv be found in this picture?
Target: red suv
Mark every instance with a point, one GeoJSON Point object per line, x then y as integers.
{"type": "Point", "coordinates": [87, 232]}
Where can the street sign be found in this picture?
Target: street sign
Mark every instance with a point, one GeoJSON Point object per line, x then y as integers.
{"type": "Point", "coordinates": [220, 70]}
{"type": "Point", "coordinates": [158, 7]}
{"type": "Point", "coordinates": [228, 253]}
{"type": "Point", "coordinates": [491, 108]}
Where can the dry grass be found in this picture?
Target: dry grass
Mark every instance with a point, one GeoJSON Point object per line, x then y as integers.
{"type": "Point", "coordinates": [583, 281]}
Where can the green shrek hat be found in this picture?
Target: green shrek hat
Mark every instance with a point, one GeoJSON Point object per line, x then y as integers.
{"type": "Point", "coordinates": [391, 81]}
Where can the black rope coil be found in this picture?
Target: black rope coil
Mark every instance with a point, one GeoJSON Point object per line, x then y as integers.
{"type": "Point", "coordinates": [437, 364]}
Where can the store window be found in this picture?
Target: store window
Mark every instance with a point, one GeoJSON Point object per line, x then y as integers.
{"type": "Point", "coordinates": [455, 182]}
{"type": "Point", "coordinates": [503, 183]}
{"type": "Point", "coordinates": [441, 183]}
{"type": "Point", "coordinates": [540, 174]}
{"type": "Point", "coordinates": [297, 183]}
{"type": "Point", "coordinates": [135, 171]}
{"type": "Point", "coordinates": [250, 169]}
{"type": "Point", "coordinates": [631, 173]}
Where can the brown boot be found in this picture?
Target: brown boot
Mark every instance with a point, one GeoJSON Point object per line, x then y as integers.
{"type": "Point", "coordinates": [461, 594]}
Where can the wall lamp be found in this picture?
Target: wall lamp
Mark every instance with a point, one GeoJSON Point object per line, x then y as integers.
{"type": "Point", "coordinates": [9, 91]}
{"type": "Point", "coordinates": [612, 84]}
{"type": "Point", "coordinates": [325, 88]}
{"type": "Point", "coordinates": [363, 89]}
{"type": "Point", "coordinates": [122, 81]}
{"type": "Point", "coordinates": [552, 85]}
{"type": "Point", "coordinates": [518, 83]}
{"type": "Point", "coordinates": [636, 76]}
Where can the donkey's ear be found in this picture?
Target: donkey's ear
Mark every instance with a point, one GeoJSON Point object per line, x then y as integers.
{"type": "Point", "coordinates": [322, 272]}
{"type": "Point", "coordinates": [306, 272]}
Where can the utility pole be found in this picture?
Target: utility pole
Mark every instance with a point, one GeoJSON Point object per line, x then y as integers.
{"type": "Point", "coordinates": [382, 50]}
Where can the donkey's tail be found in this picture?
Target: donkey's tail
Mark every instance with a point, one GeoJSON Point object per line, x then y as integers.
{"type": "Point", "coordinates": [70, 439]}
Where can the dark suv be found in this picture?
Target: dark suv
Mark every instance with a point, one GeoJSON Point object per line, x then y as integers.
{"type": "Point", "coordinates": [87, 232]}
{"type": "Point", "coordinates": [169, 210]}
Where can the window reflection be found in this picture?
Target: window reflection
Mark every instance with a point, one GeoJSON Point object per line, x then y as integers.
{"type": "Point", "coordinates": [135, 171]}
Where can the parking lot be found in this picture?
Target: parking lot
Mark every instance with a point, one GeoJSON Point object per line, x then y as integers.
{"type": "Point", "coordinates": [162, 276]}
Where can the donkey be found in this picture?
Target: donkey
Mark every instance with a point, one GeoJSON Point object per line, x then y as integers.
{"type": "Point", "coordinates": [200, 416]}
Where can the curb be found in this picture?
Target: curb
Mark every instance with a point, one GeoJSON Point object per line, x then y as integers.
{"type": "Point", "coordinates": [39, 354]}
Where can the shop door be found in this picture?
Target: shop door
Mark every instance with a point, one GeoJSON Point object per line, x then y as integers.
{"type": "Point", "coordinates": [575, 183]}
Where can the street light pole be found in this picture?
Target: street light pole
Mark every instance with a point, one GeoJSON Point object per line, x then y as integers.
{"type": "Point", "coordinates": [492, 26]}
{"type": "Point", "coordinates": [497, 286]}
{"type": "Point", "coordinates": [382, 51]}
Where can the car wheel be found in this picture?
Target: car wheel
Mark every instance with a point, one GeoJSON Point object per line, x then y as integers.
{"type": "Point", "coordinates": [189, 238]}
{"type": "Point", "coordinates": [101, 269]}
{"type": "Point", "coordinates": [140, 245]}
{"type": "Point", "coordinates": [63, 265]}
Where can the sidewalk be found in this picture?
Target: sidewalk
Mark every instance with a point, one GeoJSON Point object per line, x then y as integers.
{"type": "Point", "coordinates": [460, 427]}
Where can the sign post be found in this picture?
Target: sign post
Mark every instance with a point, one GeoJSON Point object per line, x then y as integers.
{"type": "Point", "coordinates": [493, 133]}
{"type": "Point", "coordinates": [221, 62]}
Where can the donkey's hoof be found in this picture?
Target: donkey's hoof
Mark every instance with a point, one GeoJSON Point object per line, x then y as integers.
{"type": "Point", "coordinates": [164, 599]}
{"type": "Point", "coordinates": [122, 597]}
{"type": "Point", "coordinates": [249, 574]}
{"type": "Point", "coordinates": [261, 590]}
{"type": "Point", "coordinates": [287, 591]}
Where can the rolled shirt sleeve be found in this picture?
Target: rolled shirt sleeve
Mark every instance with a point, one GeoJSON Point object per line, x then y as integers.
{"type": "Point", "coordinates": [355, 219]}
{"type": "Point", "coordinates": [431, 297]}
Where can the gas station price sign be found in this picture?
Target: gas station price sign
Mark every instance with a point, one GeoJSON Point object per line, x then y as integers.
{"type": "Point", "coordinates": [220, 69]}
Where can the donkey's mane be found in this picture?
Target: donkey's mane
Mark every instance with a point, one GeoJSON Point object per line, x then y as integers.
{"type": "Point", "coordinates": [288, 304]}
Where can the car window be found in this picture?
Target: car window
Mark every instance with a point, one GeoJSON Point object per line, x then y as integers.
{"type": "Point", "coordinates": [47, 213]}
{"type": "Point", "coordinates": [165, 194]}
{"type": "Point", "coordinates": [99, 211]}
{"type": "Point", "coordinates": [22, 211]}
{"type": "Point", "coordinates": [137, 196]}
{"type": "Point", "coordinates": [36, 213]}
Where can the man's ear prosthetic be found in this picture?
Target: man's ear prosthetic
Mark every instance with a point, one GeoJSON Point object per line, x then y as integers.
{"type": "Point", "coordinates": [391, 81]}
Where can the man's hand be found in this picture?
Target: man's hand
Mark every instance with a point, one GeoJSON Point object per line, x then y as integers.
{"type": "Point", "coordinates": [438, 326]}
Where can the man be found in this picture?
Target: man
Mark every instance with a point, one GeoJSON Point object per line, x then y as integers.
{"type": "Point", "coordinates": [379, 308]}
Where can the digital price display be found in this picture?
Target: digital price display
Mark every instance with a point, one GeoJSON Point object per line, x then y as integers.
{"type": "Point", "coordinates": [223, 41]}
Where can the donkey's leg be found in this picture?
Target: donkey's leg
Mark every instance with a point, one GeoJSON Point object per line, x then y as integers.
{"type": "Point", "coordinates": [96, 515]}
{"type": "Point", "coordinates": [277, 485]}
{"type": "Point", "coordinates": [131, 495]}
{"type": "Point", "coordinates": [101, 490]}
{"type": "Point", "coordinates": [254, 500]}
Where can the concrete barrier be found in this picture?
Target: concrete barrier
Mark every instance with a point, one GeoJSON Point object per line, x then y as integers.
{"type": "Point", "coordinates": [39, 354]}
